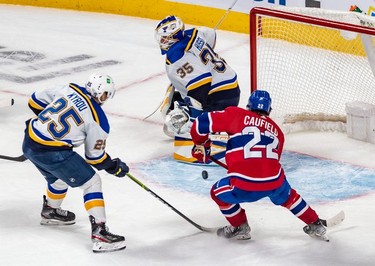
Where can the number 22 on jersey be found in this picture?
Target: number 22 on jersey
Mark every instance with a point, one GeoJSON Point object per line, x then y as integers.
{"type": "Point", "coordinates": [260, 141]}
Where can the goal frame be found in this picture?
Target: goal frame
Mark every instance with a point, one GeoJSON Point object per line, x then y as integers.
{"type": "Point", "coordinates": [255, 16]}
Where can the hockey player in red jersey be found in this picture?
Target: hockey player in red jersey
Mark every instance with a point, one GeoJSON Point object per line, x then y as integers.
{"type": "Point", "coordinates": [253, 156]}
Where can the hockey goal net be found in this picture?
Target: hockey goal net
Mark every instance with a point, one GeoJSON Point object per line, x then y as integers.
{"type": "Point", "coordinates": [312, 61]}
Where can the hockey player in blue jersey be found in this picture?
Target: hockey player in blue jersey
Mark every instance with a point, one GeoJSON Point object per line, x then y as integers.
{"type": "Point", "coordinates": [68, 117]}
{"type": "Point", "coordinates": [201, 80]}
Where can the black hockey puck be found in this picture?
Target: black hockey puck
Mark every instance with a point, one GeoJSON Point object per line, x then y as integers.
{"type": "Point", "coordinates": [204, 174]}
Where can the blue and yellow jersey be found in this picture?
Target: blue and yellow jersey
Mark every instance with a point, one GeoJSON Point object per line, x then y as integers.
{"type": "Point", "coordinates": [69, 117]}
{"type": "Point", "coordinates": [195, 69]}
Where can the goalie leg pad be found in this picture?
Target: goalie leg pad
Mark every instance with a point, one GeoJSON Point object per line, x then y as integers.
{"type": "Point", "coordinates": [167, 102]}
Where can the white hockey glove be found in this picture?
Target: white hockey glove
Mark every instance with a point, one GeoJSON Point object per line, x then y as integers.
{"type": "Point", "coordinates": [178, 120]}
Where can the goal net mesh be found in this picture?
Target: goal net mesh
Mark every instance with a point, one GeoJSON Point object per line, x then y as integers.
{"type": "Point", "coordinates": [312, 61]}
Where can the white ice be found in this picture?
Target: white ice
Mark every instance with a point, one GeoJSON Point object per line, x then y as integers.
{"type": "Point", "coordinates": [155, 235]}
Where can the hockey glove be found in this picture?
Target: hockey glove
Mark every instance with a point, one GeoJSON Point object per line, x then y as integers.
{"type": "Point", "coordinates": [202, 152]}
{"type": "Point", "coordinates": [178, 120]}
{"type": "Point", "coordinates": [120, 169]}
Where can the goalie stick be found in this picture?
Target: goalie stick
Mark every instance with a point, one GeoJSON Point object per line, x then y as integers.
{"type": "Point", "coordinates": [153, 111]}
{"type": "Point", "coordinates": [20, 158]}
{"type": "Point", "coordinates": [225, 15]}
{"type": "Point", "coordinates": [202, 228]}
{"type": "Point", "coordinates": [6, 102]}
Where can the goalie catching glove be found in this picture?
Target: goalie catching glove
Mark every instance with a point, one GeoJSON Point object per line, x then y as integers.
{"type": "Point", "coordinates": [178, 120]}
{"type": "Point", "coordinates": [119, 169]}
{"type": "Point", "coordinates": [202, 152]}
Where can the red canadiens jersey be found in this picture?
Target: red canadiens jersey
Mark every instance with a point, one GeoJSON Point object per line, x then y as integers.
{"type": "Point", "coordinates": [253, 150]}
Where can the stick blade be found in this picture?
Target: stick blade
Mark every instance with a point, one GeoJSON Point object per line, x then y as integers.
{"type": "Point", "coordinates": [335, 220]}
{"type": "Point", "coordinates": [20, 158]}
{"type": "Point", "coordinates": [6, 102]}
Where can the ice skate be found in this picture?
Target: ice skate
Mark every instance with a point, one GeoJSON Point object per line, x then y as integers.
{"type": "Point", "coordinates": [241, 232]}
{"type": "Point", "coordinates": [56, 216]}
{"type": "Point", "coordinates": [316, 230]}
{"type": "Point", "coordinates": [103, 240]}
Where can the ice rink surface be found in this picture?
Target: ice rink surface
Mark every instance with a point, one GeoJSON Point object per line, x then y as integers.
{"type": "Point", "coordinates": [41, 48]}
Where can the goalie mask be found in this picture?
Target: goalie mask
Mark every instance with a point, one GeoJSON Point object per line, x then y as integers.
{"type": "Point", "coordinates": [98, 85]}
{"type": "Point", "coordinates": [169, 31]}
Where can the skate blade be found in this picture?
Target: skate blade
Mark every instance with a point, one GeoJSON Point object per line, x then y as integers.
{"type": "Point", "coordinates": [243, 237]}
{"type": "Point", "coordinates": [238, 237]}
{"type": "Point", "coordinates": [54, 222]}
{"type": "Point", "coordinates": [322, 238]}
{"type": "Point", "coordinates": [99, 247]}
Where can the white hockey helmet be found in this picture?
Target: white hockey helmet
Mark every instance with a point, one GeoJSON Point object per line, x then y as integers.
{"type": "Point", "coordinates": [169, 31]}
{"type": "Point", "coordinates": [98, 84]}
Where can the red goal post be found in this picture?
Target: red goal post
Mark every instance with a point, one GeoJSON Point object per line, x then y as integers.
{"type": "Point", "coordinates": [312, 61]}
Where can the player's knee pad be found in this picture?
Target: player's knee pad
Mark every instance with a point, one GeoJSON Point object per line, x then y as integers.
{"type": "Point", "coordinates": [217, 189]}
{"type": "Point", "coordinates": [293, 198]}
{"type": "Point", "coordinates": [282, 194]}
{"type": "Point", "coordinates": [93, 184]}
{"type": "Point", "coordinates": [213, 195]}
{"type": "Point", "coordinates": [58, 185]}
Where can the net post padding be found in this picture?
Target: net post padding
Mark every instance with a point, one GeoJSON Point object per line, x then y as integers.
{"type": "Point", "coordinates": [312, 122]}
{"type": "Point", "coordinates": [290, 119]}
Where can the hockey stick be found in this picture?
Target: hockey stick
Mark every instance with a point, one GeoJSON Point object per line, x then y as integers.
{"type": "Point", "coordinates": [20, 158]}
{"type": "Point", "coordinates": [202, 228]}
{"type": "Point", "coordinates": [335, 220]}
{"type": "Point", "coordinates": [226, 14]}
{"type": "Point", "coordinates": [6, 102]}
{"type": "Point", "coordinates": [153, 111]}
{"type": "Point", "coordinates": [218, 162]}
